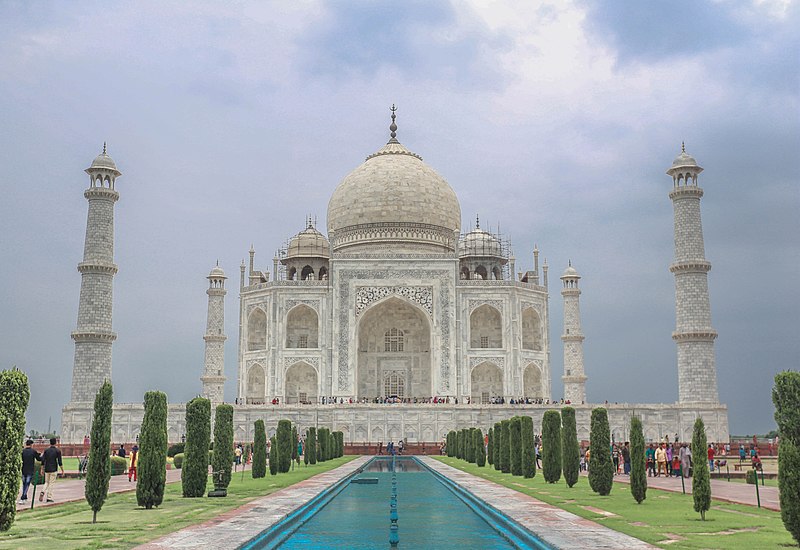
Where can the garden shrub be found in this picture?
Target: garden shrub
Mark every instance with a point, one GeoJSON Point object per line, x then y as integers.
{"type": "Point", "coordinates": [259, 468]}
{"type": "Point", "coordinates": [601, 468]}
{"type": "Point", "coordinates": [786, 397]}
{"type": "Point", "coordinates": [490, 447]}
{"type": "Point", "coordinates": [98, 472]}
{"type": "Point", "coordinates": [701, 477]}
{"type": "Point", "coordinates": [516, 446]}
{"type": "Point", "coordinates": [498, 434]}
{"type": "Point", "coordinates": [177, 461]}
{"type": "Point", "coordinates": [222, 461]}
{"type": "Point", "coordinates": [176, 448]}
{"type": "Point", "coordinates": [528, 447]}
{"type": "Point", "coordinates": [117, 466]}
{"type": "Point", "coordinates": [196, 456]}
{"type": "Point", "coordinates": [14, 398]}
{"type": "Point", "coordinates": [570, 448]}
{"type": "Point", "coordinates": [273, 456]}
{"type": "Point", "coordinates": [551, 446]}
{"type": "Point", "coordinates": [505, 447]}
{"type": "Point", "coordinates": [638, 466]}
{"type": "Point", "coordinates": [311, 445]}
{"type": "Point", "coordinates": [151, 469]}
{"type": "Point", "coordinates": [480, 448]}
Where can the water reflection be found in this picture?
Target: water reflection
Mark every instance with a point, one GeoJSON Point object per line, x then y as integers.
{"type": "Point", "coordinates": [401, 465]}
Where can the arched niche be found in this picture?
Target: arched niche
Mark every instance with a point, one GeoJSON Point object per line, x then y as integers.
{"type": "Point", "coordinates": [300, 384]}
{"type": "Point", "coordinates": [393, 343]}
{"type": "Point", "coordinates": [486, 382]}
{"type": "Point", "coordinates": [256, 388]}
{"type": "Point", "coordinates": [532, 382]}
{"type": "Point", "coordinates": [257, 330]}
{"type": "Point", "coordinates": [531, 329]}
{"type": "Point", "coordinates": [302, 327]}
{"type": "Point", "coordinates": [485, 328]}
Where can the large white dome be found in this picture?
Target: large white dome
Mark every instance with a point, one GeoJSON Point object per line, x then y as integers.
{"type": "Point", "coordinates": [396, 201]}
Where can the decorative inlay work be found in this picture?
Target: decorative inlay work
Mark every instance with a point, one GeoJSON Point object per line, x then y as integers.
{"type": "Point", "coordinates": [393, 255]}
{"type": "Point", "coordinates": [262, 306]}
{"type": "Point", "coordinates": [499, 361]}
{"type": "Point", "coordinates": [443, 276]}
{"type": "Point", "coordinates": [475, 304]}
{"type": "Point", "coordinates": [528, 362]}
{"type": "Point", "coordinates": [313, 304]}
{"type": "Point", "coordinates": [289, 361]}
{"type": "Point", "coordinates": [393, 232]}
{"type": "Point", "coordinates": [420, 295]}
{"type": "Point", "coordinates": [536, 307]}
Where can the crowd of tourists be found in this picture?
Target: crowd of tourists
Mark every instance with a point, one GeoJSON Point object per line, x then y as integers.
{"type": "Point", "coordinates": [395, 399]}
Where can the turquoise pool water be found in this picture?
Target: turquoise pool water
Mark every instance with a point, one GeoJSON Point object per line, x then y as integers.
{"type": "Point", "coordinates": [430, 515]}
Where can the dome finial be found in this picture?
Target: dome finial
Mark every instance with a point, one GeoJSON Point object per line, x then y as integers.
{"type": "Point", "coordinates": [569, 262]}
{"type": "Point", "coordinates": [104, 148]}
{"type": "Point", "coordinates": [683, 147]}
{"type": "Point", "coordinates": [477, 221]}
{"type": "Point", "coordinates": [393, 125]}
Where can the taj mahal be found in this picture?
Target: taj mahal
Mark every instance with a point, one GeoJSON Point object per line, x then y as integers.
{"type": "Point", "coordinates": [398, 322]}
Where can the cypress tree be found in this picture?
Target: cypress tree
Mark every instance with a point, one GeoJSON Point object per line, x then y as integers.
{"type": "Point", "coordinates": [448, 442]}
{"type": "Point", "coordinates": [14, 398]}
{"type": "Point", "coordinates": [194, 470]}
{"type": "Point", "coordinates": [294, 443]}
{"type": "Point", "coordinates": [570, 448]}
{"type": "Point", "coordinates": [490, 447]}
{"type": "Point", "coordinates": [331, 446]}
{"type": "Point", "coordinates": [505, 447]}
{"type": "Point", "coordinates": [601, 470]}
{"type": "Point", "coordinates": [498, 434]}
{"type": "Point", "coordinates": [222, 460]}
{"type": "Point", "coordinates": [515, 444]}
{"type": "Point", "coordinates": [273, 456]}
{"type": "Point", "coordinates": [480, 448]}
{"type": "Point", "coordinates": [311, 445]}
{"type": "Point", "coordinates": [551, 446]}
{"type": "Point", "coordinates": [98, 473]}
{"type": "Point", "coordinates": [457, 441]}
{"type": "Point", "coordinates": [701, 478]}
{"type": "Point", "coordinates": [462, 443]}
{"type": "Point", "coordinates": [528, 448]}
{"type": "Point", "coordinates": [259, 468]}
{"type": "Point", "coordinates": [786, 397]}
{"type": "Point", "coordinates": [638, 467]}
{"type": "Point", "coordinates": [322, 443]}
{"type": "Point", "coordinates": [152, 461]}
{"type": "Point", "coordinates": [284, 438]}
{"type": "Point", "coordinates": [471, 454]}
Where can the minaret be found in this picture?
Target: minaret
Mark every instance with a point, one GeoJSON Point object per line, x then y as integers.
{"type": "Point", "coordinates": [697, 371]}
{"type": "Point", "coordinates": [574, 379]}
{"type": "Point", "coordinates": [214, 364]}
{"type": "Point", "coordinates": [93, 336]}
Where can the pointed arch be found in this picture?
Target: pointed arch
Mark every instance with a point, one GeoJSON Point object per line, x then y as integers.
{"type": "Point", "coordinates": [256, 389]}
{"type": "Point", "coordinates": [486, 382]}
{"type": "Point", "coordinates": [481, 273]}
{"type": "Point", "coordinates": [257, 330]}
{"type": "Point", "coordinates": [532, 382]}
{"type": "Point", "coordinates": [531, 329]}
{"type": "Point", "coordinates": [307, 273]}
{"type": "Point", "coordinates": [485, 328]}
{"type": "Point", "coordinates": [302, 327]}
{"type": "Point", "coordinates": [301, 384]}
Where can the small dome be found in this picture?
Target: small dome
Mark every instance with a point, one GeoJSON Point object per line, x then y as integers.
{"type": "Point", "coordinates": [684, 159]}
{"type": "Point", "coordinates": [217, 273]}
{"type": "Point", "coordinates": [570, 273]}
{"type": "Point", "coordinates": [104, 162]}
{"type": "Point", "coordinates": [309, 243]}
{"type": "Point", "coordinates": [480, 243]}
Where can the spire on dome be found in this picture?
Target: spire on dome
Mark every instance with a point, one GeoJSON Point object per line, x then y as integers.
{"type": "Point", "coordinates": [477, 221]}
{"type": "Point", "coordinates": [104, 148]}
{"type": "Point", "coordinates": [683, 146]}
{"type": "Point", "coordinates": [393, 125]}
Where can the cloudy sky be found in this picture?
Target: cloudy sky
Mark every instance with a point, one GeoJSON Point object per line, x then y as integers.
{"type": "Point", "coordinates": [232, 121]}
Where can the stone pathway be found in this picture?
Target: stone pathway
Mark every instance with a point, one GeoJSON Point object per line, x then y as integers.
{"type": "Point", "coordinates": [557, 527]}
{"type": "Point", "coordinates": [72, 490]}
{"type": "Point", "coordinates": [728, 491]}
{"type": "Point", "coordinates": [236, 527]}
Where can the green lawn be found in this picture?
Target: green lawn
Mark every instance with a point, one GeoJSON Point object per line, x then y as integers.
{"type": "Point", "coordinates": [665, 519]}
{"type": "Point", "coordinates": [122, 524]}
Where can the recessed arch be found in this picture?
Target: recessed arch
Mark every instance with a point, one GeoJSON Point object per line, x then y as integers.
{"type": "Point", "coordinates": [486, 382]}
{"type": "Point", "coordinates": [531, 329]}
{"type": "Point", "coordinates": [481, 273]}
{"type": "Point", "coordinates": [256, 389]}
{"type": "Point", "coordinates": [257, 330]}
{"type": "Point", "coordinates": [307, 273]}
{"type": "Point", "coordinates": [300, 384]}
{"type": "Point", "coordinates": [291, 273]}
{"type": "Point", "coordinates": [302, 327]}
{"type": "Point", "coordinates": [532, 382]}
{"type": "Point", "coordinates": [485, 327]}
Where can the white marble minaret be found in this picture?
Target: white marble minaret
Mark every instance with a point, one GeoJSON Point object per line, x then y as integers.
{"type": "Point", "coordinates": [697, 371]}
{"type": "Point", "coordinates": [214, 364]}
{"type": "Point", "coordinates": [93, 335]}
{"type": "Point", "coordinates": [574, 378]}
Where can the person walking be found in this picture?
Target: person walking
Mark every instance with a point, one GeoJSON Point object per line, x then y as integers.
{"type": "Point", "coordinates": [741, 453]}
{"type": "Point", "coordinates": [711, 458]}
{"type": "Point", "coordinates": [650, 458]}
{"type": "Point", "coordinates": [661, 460]}
{"type": "Point", "coordinates": [51, 459]}
{"type": "Point", "coordinates": [134, 462]}
{"type": "Point", "coordinates": [626, 459]}
{"type": "Point", "coordinates": [29, 458]}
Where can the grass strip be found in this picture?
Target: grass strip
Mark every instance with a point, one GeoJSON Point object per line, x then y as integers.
{"type": "Point", "coordinates": [665, 519]}
{"type": "Point", "coordinates": [122, 524]}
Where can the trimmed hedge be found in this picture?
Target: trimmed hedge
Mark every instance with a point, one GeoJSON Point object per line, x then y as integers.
{"type": "Point", "coordinates": [98, 472]}
{"type": "Point", "coordinates": [490, 447]}
{"type": "Point", "coordinates": [480, 448]}
{"type": "Point", "coordinates": [528, 448]}
{"type": "Point", "coordinates": [786, 396]}
{"type": "Point", "coordinates": [152, 462]}
{"type": "Point", "coordinates": [505, 447]}
{"type": "Point", "coordinates": [515, 446]}
{"type": "Point", "coordinates": [196, 456]}
{"type": "Point", "coordinates": [177, 461]}
{"type": "Point", "coordinates": [638, 467]}
{"type": "Point", "coordinates": [701, 477]}
{"type": "Point", "coordinates": [223, 444]}
{"type": "Point", "coordinates": [273, 456]}
{"type": "Point", "coordinates": [551, 446]}
{"type": "Point", "coordinates": [284, 438]}
{"type": "Point", "coordinates": [570, 448]}
{"type": "Point", "coordinates": [601, 468]}
{"type": "Point", "coordinates": [311, 445]}
{"type": "Point", "coordinates": [259, 468]}
{"type": "Point", "coordinates": [752, 477]}
{"type": "Point", "coordinates": [118, 466]}
{"type": "Point", "coordinates": [176, 448]}
{"type": "Point", "coordinates": [498, 435]}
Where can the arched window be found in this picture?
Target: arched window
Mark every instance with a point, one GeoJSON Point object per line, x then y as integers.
{"type": "Point", "coordinates": [481, 273]}
{"type": "Point", "coordinates": [257, 330]}
{"type": "Point", "coordinates": [531, 330]}
{"type": "Point", "coordinates": [256, 385]}
{"type": "Point", "coordinates": [496, 275]}
{"type": "Point", "coordinates": [307, 272]}
{"type": "Point", "coordinates": [290, 275]}
{"type": "Point", "coordinates": [323, 273]}
{"type": "Point", "coordinates": [394, 385]}
{"type": "Point", "coordinates": [394, 340]}
{"type": "Point", "coordinates": [302, 328]}
{"type": "Point", "coordinates": [485, 328]}
{"type": "Point", "coordinates": [465, 273]}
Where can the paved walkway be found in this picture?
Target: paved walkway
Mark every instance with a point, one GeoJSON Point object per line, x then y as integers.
{"type": "Point", "coordinates": [557, 527]}
{"type": "Point", "coordinates": [236, 527]}
{"type": "Point", "coordinates": [728, 491]}
{"type": "Point", "coordinates": [72, 490]}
